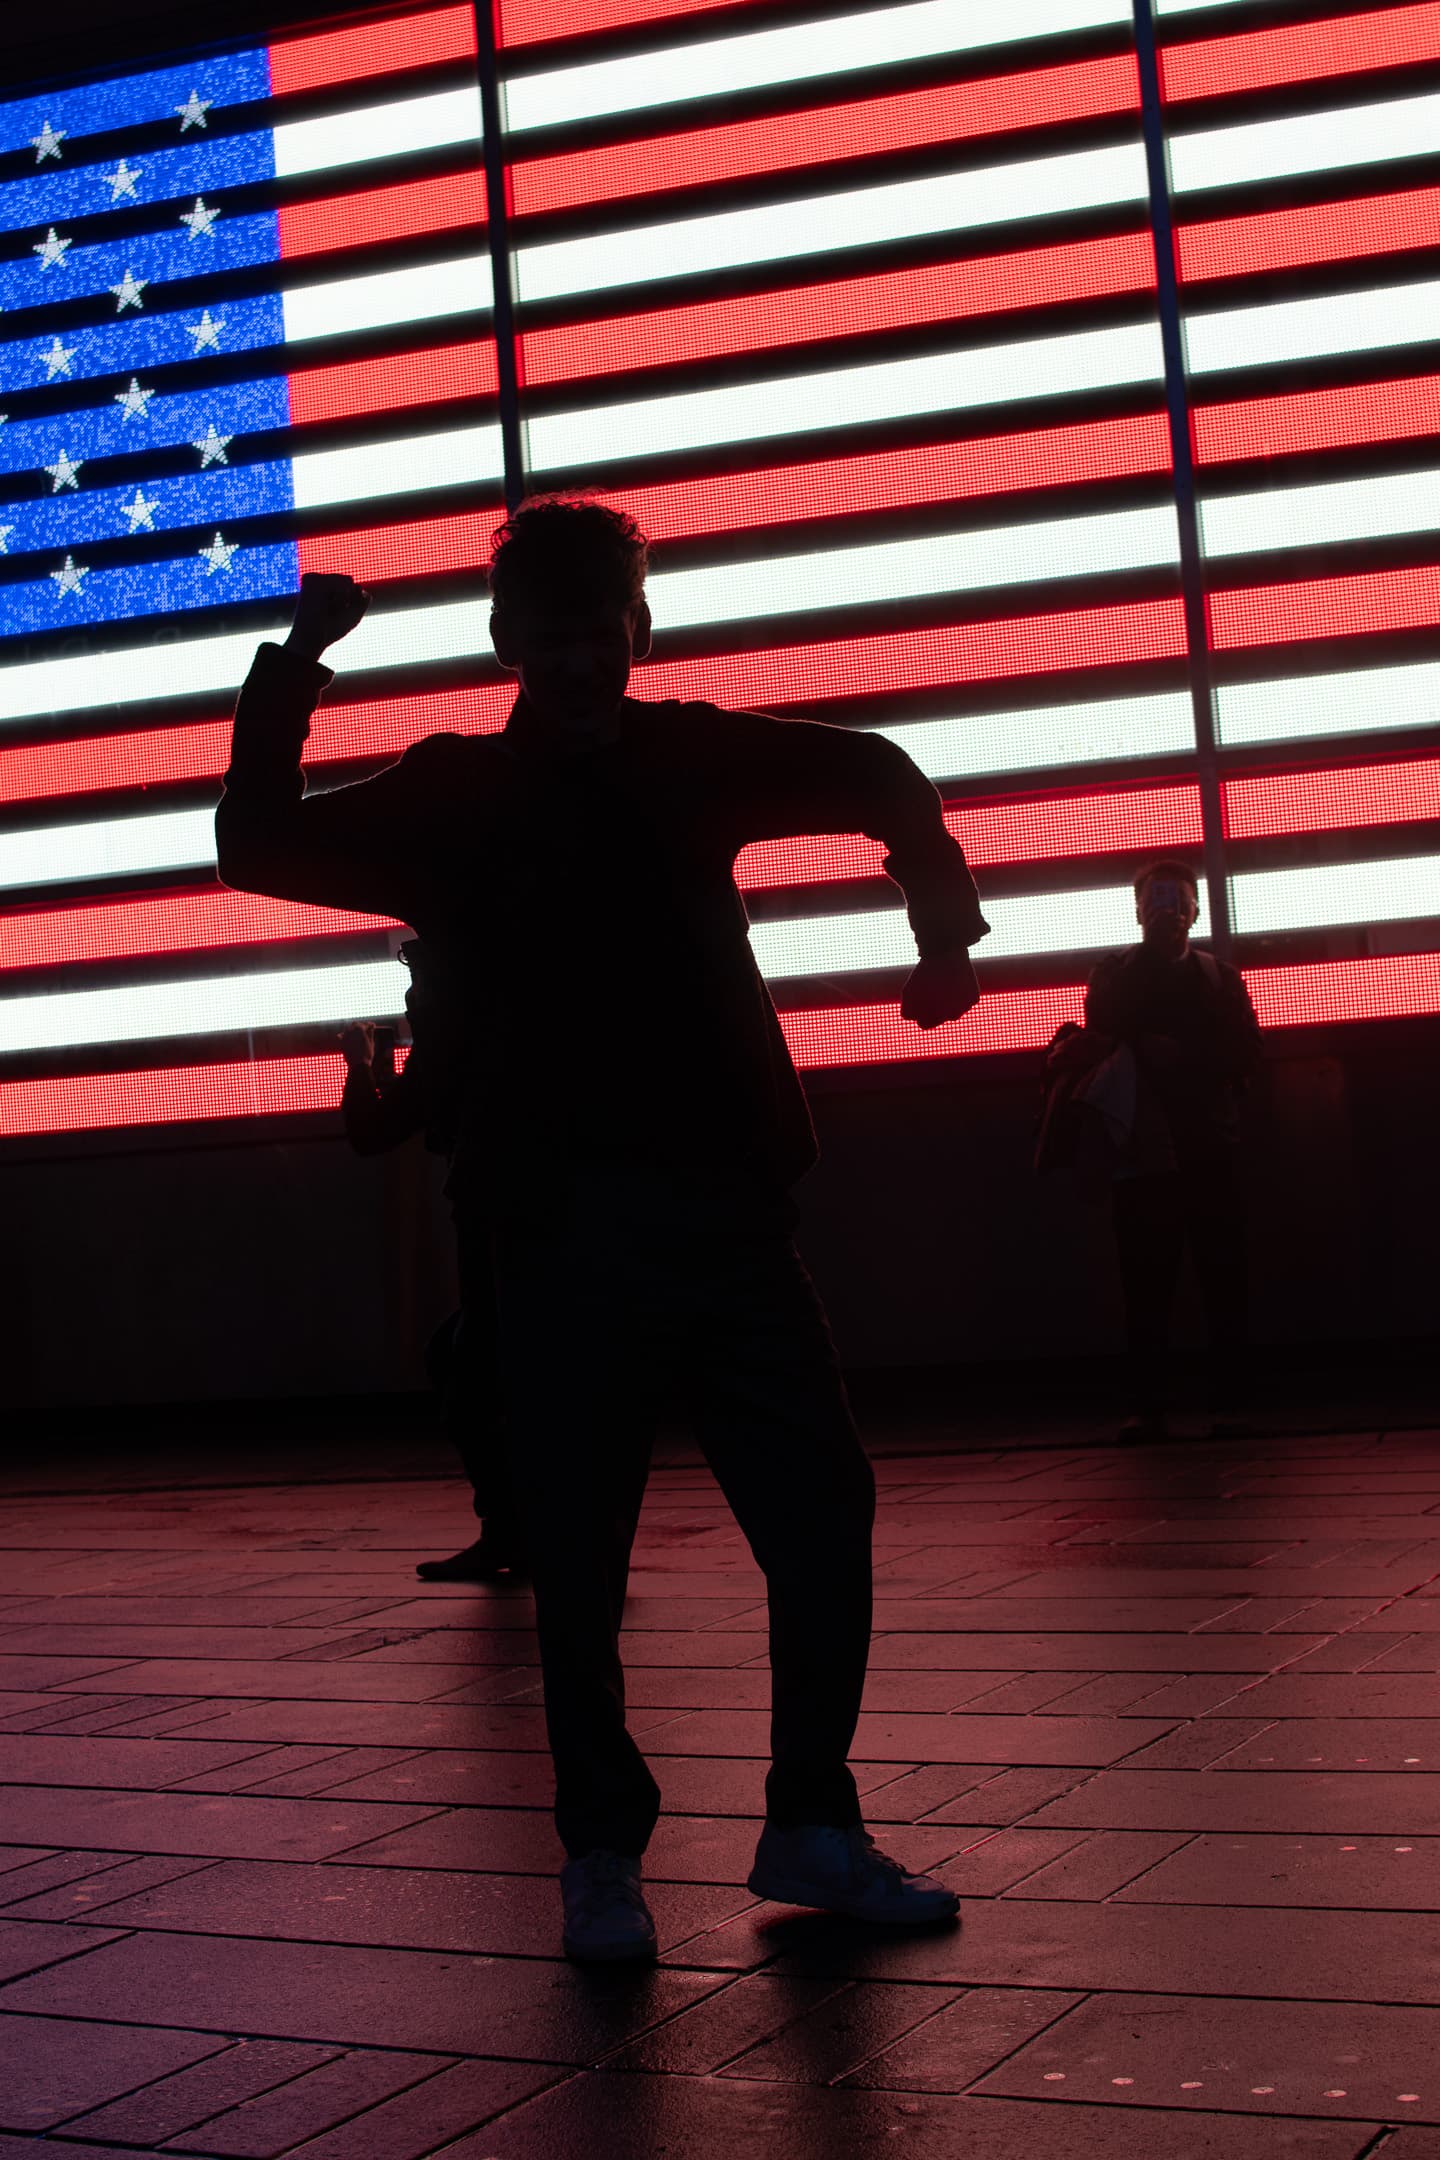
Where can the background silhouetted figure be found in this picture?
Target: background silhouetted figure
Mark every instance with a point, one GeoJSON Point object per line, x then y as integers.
{"type": "Point", "coordinates": [381, 1110]}
{"type": "Point", "coordinates": [1187, 1021]}
{"type": "Point", "coordinates": [632, 1125]}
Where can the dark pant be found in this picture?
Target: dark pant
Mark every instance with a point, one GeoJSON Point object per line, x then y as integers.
{"type": "Point", "coordinates": [462, 1363]}
{"type": "Point", "coordinates": [639, 1291]}
{"type": "Point", "coordinates": [1157, 1218]}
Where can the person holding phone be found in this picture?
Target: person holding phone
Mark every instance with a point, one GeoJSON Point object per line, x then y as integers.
{"type": "Point", "coordinates": [1187, 1022]}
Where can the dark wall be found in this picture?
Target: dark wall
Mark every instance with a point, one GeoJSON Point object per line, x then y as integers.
{"type": "Point", "coordinates": [270, 1266]}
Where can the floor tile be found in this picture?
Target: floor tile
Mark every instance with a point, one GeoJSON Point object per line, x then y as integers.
{"type": "Point", "coordinates": [53, 2070]}
{"type": "Point", "coordinates": [193, 1823]}
{"type": "Point", "coordinates": [531, 2010]}
{"type": "Point", "coordinates": [426, 2116]}
{"type": "Point", "coordinates": [962, 2039]}
{"type": "Point", "coordinates": [1406, 1803]}
{"type": "Point", "coordinates": [715, 2115]}
{"type": "Point", "coordinates": [1310, 1956]}
{"type": "Point", "coordinates": [223, 2079]}
{"type": "Point", "coordinates": [1374, 1874]}
{"type": "Point", "coordinates": [1263, 2058]}
{"type": "Point", "coordinates": [420, 1909]}
{"type": "Point", "coordinates": [306, 2106]}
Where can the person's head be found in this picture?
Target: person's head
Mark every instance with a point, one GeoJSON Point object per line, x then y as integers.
{"type": "Point", "coordinates": [1167, 902]}
{"type": "Point", "coordinates": [568, 612]}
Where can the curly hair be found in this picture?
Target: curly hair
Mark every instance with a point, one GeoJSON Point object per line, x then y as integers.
{"type": "Point", "coordinates": [567, 548]}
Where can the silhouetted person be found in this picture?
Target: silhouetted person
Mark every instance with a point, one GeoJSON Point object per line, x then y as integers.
{"type": "Point", "coordinates": [1187, 1022]}
{"type": "Point", "coordinates": [633, 1124]}
{"type": "Point", "coordinates": [381, 1110]}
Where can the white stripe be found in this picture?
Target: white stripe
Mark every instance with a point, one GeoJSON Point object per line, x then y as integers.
{"type": "Point", "coordinates": [1312, 516]}
{"type": "Point", "coordinates": [376, 131]}
{"type": "Point", "coordinates": [852, 218]}
{"type": "Point", "coordinates": [1370, 700]}
{"type": "Point", "coordinates": [319, 996]}
{"type": "Point", "coordinates": [906, 569]}
{"type": "Point", "coordinates": [1188, 7]}
{"type": "Point", "coordinates": [1048, 736]}
{"type": "Point", "coordinates": [149, 673]}
{"type": "Point", "coordinates": [61, 1019]}
{"type": "Point", "coordinates": [1309, 142]}
{"type": "Point", "coordinates": [1329, 894]}
{"type": "Point", "coordinates": [387, 296]}
{"type": "Point", "coordinates": [880, 38]}
{"type": "Point", "coordinates": [845, 397]}
{"type": "Point", "coordinates": [1305, 329]}
{"type": "Point", "coordinates": [108, 848]}
{"type": "Point", "coordinates": [1084, 921]}
{"type": "Point", "coordinates": [449, 459]}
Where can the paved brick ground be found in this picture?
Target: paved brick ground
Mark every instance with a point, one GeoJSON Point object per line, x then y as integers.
{"type": "Point", "coordinates": [278, 1868]}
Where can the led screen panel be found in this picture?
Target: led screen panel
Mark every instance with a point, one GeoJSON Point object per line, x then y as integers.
{"type": "Point", "coordinates": [860, 318]}
{"type": "Point", "coordinates": [1306, 188]}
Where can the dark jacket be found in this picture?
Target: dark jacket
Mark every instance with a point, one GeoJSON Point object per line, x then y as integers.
{"type": "Point", "coordinates": [584, 905]}
{"type": "Point", "coordinates": [1202, 1004]}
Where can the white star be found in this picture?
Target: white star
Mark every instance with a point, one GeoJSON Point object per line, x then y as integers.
{"type": "Point", "coordinates": [71, 575]}
{"type": "Point", "coordinates": [200, 220]}
{"type": "Point", "coordinates": [192, 112]}
{"type": "Point", "coordinates": [62, 474]}
{"type": "Point", "coordinates": [57, 360]}
{"type": "Point", "coordinates": [134, 402]}
{"type": "Point", "coordinates": [127, 292]}
{"type": "Point", "coordinates": [217, 555]}
{"type": "Point", "coordinates": [5, 532]}
{"type": "Point", "coordinates": [206, 333]}
{"type": "Point", "coordinates": [141, 512]}
{"type": "Point", "coordinates": [212, 447]}
{"type": "Point", "coordinates": [47, 143]}
{"type": "Point", "coordinates": [51, 249]}
{"type": "Point", "coordinates": [122, 181]}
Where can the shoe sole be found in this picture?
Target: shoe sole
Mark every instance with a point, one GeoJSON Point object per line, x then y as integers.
{"type": "Point", "coordinates": [781, 1891]}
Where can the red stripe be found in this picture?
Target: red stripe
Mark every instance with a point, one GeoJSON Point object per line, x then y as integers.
{"type": "Point", "coordinates": [262, 1087]}
{"type": "Point", "coordinates": [390, 213]}
{"type": "Point", "coordinates": [1039, 832]}
{"type": "Point", "coordinates": [216, 919]}
{"type": "Point", "coordinates": [193, 922]}
{"type": "Point", "coordinates": [1394, 987]}
{"type": "Point", "coordinates": [533, 22]}
{"type": "Point", "coordinates": [898, 479]}
{"type": "Point", "coordinates": [847, 307]}
{"type": "Point", "coordinates": [1317, 419]}
{"type": "Point", "coordinates": [926, 659]}
{"type": "Point", "coordinates": [386, 553]}
{"type": "Point", "coordinates": [1321, 232]}
{"type": "Point", "coordinates": [386, 48]}
{"type": "Point", "coordinates": [1325, 991]}
{"type": "Point", "coordinates": [351, 387]}
{"type": "Point", "coordinates": [792, 675]}
{"type": "Point", "coordinates": [1301, 52]}
{"type": "Point", "coordinates": [865, 127]}
{"type": "Point", "coordinates": [167, 757]}
{"type": "Point", "coordinates": [1334, 801]}
{"type": "Point", "coordinates": [782, 494]}
{"type": "Point", "coordinates": [1371, 601]}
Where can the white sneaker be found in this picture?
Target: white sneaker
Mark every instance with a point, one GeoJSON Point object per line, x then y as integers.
{"type": "Point", "coordinates": [842, 1871]}
{"type": "Point", "coordinates": [606, 1917]}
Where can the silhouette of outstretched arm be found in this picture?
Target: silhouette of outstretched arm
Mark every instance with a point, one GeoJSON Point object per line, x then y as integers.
{"type": "Point", "coordinates": [784, 777]}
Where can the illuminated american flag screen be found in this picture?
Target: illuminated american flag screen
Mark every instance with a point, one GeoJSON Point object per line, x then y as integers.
{"type": "Point", "coordinates": [857, 310]}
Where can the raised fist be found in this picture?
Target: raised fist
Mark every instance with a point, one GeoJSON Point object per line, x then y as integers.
{"type": "Point", "coordinates": [329, 607]}
{"type": "Point", "coordinates": [941, 988]}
